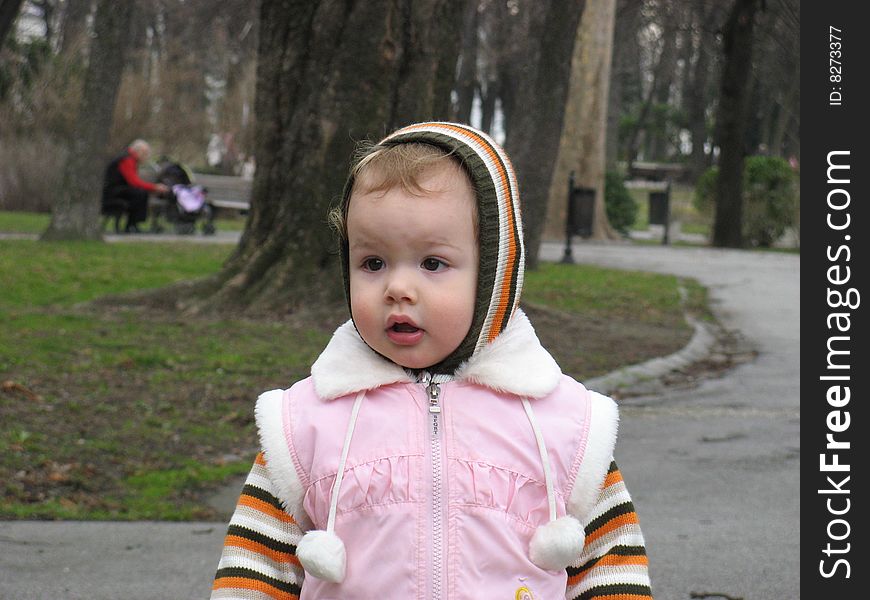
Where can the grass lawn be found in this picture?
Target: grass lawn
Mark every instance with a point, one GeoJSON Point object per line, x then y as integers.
{"type": "Point", "coordinates": [31, 222]}
{"type": "Point", "coordinates": [115, 412]}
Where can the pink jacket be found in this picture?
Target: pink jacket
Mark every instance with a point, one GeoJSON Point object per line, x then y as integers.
{"type": "Point", "coordinates": [443, 486]}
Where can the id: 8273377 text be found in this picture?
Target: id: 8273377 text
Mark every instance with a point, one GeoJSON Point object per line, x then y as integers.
{"type": "Point", "coordinates": [835, 66]}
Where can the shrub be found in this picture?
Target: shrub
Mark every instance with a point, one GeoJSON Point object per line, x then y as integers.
{"type": "Point", "coordinates": [705, 191]}
{"type": "Point", "coordinates": [769, 188]}
{"type": "Point", "coordinates": [769, 197]}
{"type": "Point", "coordinates": [620, 207]}
{"type": "Point", "coordinates": [30, 173]}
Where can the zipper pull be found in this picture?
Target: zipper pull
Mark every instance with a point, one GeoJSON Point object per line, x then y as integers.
{"type": "Point", "coordinates": [434, 391]}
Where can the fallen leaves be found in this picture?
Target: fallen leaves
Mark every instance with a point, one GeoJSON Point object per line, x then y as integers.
{"type": "Point", "coordinates": [13, 388]}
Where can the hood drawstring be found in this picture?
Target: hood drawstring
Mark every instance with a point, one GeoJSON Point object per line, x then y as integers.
{"type": "Point", "coordinates": [557, 544]}
{"type": "Point", "coordinates": [554, 546]}
{"type": "Point", "coordinates": [322, 553]}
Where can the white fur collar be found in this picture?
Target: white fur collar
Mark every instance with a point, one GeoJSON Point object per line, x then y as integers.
{"type": "Point", "coordinates": [515, 362]}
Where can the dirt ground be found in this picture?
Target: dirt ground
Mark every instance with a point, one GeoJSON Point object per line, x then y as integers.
{"type": "Point", "coordinates": [136, 439]}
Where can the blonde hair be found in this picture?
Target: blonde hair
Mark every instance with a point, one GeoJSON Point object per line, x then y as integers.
{"type": "Point", "coordinates": [382, 168]}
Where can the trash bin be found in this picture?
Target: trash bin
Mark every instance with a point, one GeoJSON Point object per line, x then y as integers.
{"type": "Point", "coordinates": [659, 207]}
{"type": "Point", "coordinates": [581, 213]}
{"type": "Point", "coordinates": [660, 210]}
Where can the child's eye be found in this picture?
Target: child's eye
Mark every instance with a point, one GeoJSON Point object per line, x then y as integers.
{"type": "Point", "coordinates": [373, 264]}
{"type": "Point", "coordinates": [432, 264]}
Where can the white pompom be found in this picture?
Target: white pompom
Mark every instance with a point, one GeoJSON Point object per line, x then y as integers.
{"type": "Point", "coordinates": [322, 555]}
{"type": "Point", "coordinates": [557, 544]}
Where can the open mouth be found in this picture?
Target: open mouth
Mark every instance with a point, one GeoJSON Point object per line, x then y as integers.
{"type": "Point", "coordinates": [404, 333]}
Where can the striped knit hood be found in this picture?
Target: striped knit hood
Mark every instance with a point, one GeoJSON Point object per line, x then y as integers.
{"type": "Point", "coordinates": [500, 232]}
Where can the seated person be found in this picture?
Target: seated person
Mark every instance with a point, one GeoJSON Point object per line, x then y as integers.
{"type": "Point", "coordinates": [124, 191]}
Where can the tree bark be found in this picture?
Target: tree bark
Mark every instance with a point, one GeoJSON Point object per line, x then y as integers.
{"type": "Point", "coordinates": [329, 74]}
{"type": "Point", "coordinates": [76, 212]}
{"type": "Point", "coordinates": [466, 81]}
{"type": "Point", "coordinates": [8, 13]}
{"type": "Point", "coordinates": [661, 80]}
{"type": "Point", "coordinates": [624, 59]}
{"type": "Point", "coordinates": [698, 94]}
{"type": "Point", "coordinates": [657, 139]}
{"type": "Point", "coordinates": [488, 95]}
{"type": "Point", "coordinates": [73, 27]}
{"type": "Point", "coordinates": [733, 102]}
{"type": "Point", "coordinates": [536, 120]}
{"type": "Point", "coordinates": [582, 148]}
{"type": "Point", "coordinates": [786, 111]}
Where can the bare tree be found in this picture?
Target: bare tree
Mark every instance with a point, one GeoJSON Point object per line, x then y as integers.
{"type": "Point", "coordinates": [466, 78]}
{"type": "Point", "coordinates": [329, 74]}
{"type": "Point", "coordinates": [8, 12]}
{"type": "Point", "coordinates": [662, 76]}
{"type": "Point", "coordinates": [664, 100]}
{"type": "Point", "coordinates": [73, 26]}
{"type": "Point", "coordinates": [732, 121]}
{"type": "Point", "coordinates": [582, 148]}
{"type": "Point", "coordinates": [46, 9]}
{"type": "Point", "coordinates": [76, 210]}
{"type": "Point", "coordinates": [777, 72]}
{"type": "Point", "coordinates": [539, 91]}
{"type": "Point", "coordinates": [624, 72]}
{"type": "Point", "coordinates": [699, 93]}
{"type": "Point", "coordinates": [501, 27]}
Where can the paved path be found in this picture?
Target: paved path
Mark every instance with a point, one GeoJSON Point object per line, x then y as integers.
{"type": "Point", "coordinates": [714, 471]}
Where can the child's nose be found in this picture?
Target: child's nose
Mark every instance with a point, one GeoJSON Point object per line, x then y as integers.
{"type": "Point", "coordinates": [400, 288]}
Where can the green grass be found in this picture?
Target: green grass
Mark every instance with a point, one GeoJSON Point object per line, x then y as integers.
{"type": "Point", "coordinates": [112, 412]}
{"type": "Point", "coordinates": [40, 273]}
{"type": "Point", "coordinates": [35, 223]}
{"type": "Point", "coordinates": [100, 405]}
{"type": "Point", "coordinates": [23, 222]}
{"type": "Point", "coordinates": [603, 293]}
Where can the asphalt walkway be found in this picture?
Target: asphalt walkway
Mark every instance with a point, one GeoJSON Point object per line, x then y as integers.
{"type": "Point", "coordinates": [713, 470]}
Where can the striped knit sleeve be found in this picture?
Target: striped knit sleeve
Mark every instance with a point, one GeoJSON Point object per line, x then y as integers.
{"type": "Point", "coordinates": [613, 564]}
{"type": "Point", "coordinates": [259, 555]}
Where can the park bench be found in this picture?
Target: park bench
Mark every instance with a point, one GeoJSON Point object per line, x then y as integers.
{"type": "Point", "coordinates": [653, 171]}
{"type": "Point", "coordinates": [225, 193]}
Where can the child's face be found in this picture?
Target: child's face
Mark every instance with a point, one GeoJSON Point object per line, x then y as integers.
{"type": "Point", "coordinates": [413, 267]}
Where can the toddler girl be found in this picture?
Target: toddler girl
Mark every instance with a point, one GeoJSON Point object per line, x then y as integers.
{"type": "Point", "coordinates": [436, 450]}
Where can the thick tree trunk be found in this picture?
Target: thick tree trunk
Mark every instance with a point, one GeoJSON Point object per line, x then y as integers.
{"type": "Point", "coordinates": [582, 147]}
{"type": "Point", "coordinates": [733, 101]}
{"type": "Point", "coordinates": [535, 126]}
{"type": "Point", "coordinates": [329, 74]}
{"type": "Point", "coordinates": [76, 212]}
{"type": "Point", "coordinates": [8, 13]}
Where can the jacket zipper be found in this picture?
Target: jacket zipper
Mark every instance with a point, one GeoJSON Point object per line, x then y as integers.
{"type": "Point", "coordinates": [433, 392]}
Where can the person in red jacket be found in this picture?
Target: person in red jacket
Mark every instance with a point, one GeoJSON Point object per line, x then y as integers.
{"type": "Point", "coordinates": [124, 191]}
